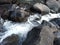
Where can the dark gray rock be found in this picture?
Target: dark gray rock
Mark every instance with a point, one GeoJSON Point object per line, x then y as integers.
{"type": "Point", "coordinates": [11, 40]}
{"type": "Point", "coordinates": [33, 37]}
{"type": "Point", "coordinates": [57, 38]}
{"type": "Point", "coordinates": [56, 41]}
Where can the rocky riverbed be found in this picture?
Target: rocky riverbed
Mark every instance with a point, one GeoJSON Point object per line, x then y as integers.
{"type": "Point", "coordinates": [29, 22]}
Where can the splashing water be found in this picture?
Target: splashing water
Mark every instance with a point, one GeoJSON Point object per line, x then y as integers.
{"type": "Point", "coordinates": [22, 29]}
{"type": "Point", "coordinates": [49, 17]}
{"type": "Point", "coordinates": [18, 28]}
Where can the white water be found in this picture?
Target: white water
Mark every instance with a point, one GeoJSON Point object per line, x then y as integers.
{"type": "Point", "coordinates": [48, 17]}
{"type": "Point", "coordinates": [22, 29]}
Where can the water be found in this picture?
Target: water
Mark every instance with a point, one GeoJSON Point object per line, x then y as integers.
{"type": "Point", "coordinates": [22, 29]}
{"type": "Point", "coordinates": [49, 17]}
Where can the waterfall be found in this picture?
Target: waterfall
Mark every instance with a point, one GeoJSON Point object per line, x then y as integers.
{"type": "Point", "coordinates": [22, 29]}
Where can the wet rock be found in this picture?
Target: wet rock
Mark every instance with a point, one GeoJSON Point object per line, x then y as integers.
{"type": "Point", "coordinates": [56, 21]}
{"type": "Point", "coordinates": [1, 10]}
{"type": "Point", "coordinates": [57, 38]}
{"type": "Point", "coordinates": [56, 41]}
{"type": "Point", "coordinates": [33, 37]}
{"type": "Point", "coordinates": [45, 23]}
{"type": "Point", "coordinates": [15, 13]}
{"type": "Point", "coordinates": [4, 8]}
{"type": "Point", "coordinates": [5, 14]}
{"type": "Point", "coordinates": [43, 9]}
{"type": "Point", "coordinates": [11, 40]}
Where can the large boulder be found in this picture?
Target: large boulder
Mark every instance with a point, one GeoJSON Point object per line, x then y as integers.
{"type": "Point", "coordinates": [41, 35]}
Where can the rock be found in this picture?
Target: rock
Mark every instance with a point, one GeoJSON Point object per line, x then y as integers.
{"type": "Point", "coordinates": [53, 5]}
{"type": "Point", "coordinates": [56, 21]}
{"type": "Point", "coordinates": [5, 1]}
{"type": "Point", "coordinates": [4, 8]}
{"type": "Point", "coordinates": [47, 36]}
{"type": "Point", "coordinates": [16, 13]}
{"type": "Point", "coordinates": [8, 1]}
{"type": "Point", "coordinates": [56, 41]}
{"type": "Point", "coordinates": [11, 40]}
{"type": "Point", "coordinates": [33, 37]}
{"type": "Point", "coordinates": [19, 14]}
{"type": "Point", "coordinates": [43, 1]}
{"type": "Point", "coordinates": [41, 8]}
{"type": "Point", "coordinates": [5, 14]}
{"type": "Point", "coordinates": [32, 2]}
{"type": "Point", "coordinates": [41, 35]}
{"type": "Point", "coordinates": [57, 38]}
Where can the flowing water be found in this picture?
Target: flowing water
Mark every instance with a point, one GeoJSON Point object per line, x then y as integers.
{"type": "Point", "coordinates": [22, 29]}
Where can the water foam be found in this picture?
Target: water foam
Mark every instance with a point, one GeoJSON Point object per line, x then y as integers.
{"type": "Point", "coordinates": [23, 28]}
{"type": "Point", "coordinates": [19, 28]}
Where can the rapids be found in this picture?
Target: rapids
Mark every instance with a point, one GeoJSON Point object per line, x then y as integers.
{"type": "Point", "coordinates": [22, 29]}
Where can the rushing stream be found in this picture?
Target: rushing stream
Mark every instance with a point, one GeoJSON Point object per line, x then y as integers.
{"type": "Point", "coordinates": [22, 29]}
